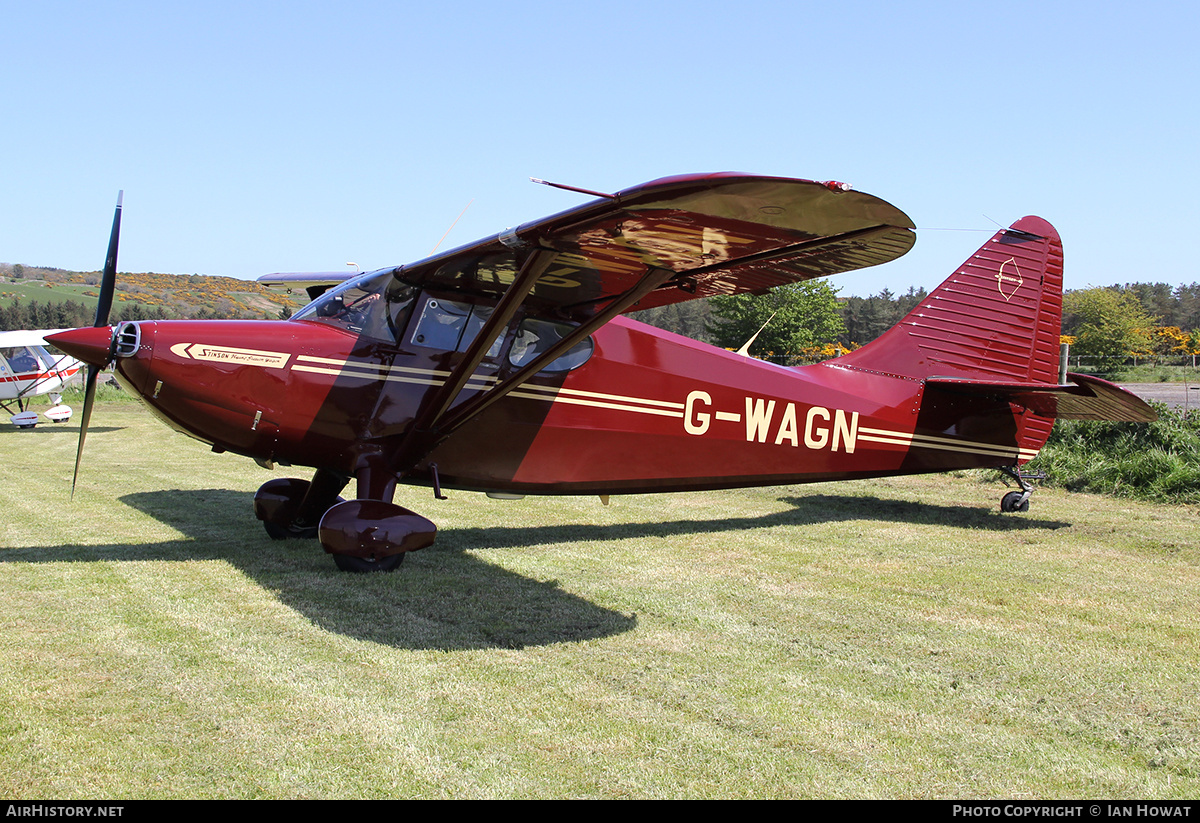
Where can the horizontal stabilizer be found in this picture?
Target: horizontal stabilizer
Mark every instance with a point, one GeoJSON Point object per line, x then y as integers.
{"type": "Point", "coordinates": [1084, 398]}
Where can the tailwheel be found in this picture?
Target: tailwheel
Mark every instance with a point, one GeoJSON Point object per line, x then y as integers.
{"type": "Point", "coordinates": [359, 565]}
{"type": "Point", "coordinates": [1015, 502]}
{"type": "Point", "coordinates": [1019, 501]}
{"type": "Point", "coordinates": [373, 536]}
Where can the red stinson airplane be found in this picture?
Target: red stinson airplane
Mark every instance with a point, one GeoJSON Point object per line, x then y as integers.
{"type": "Point", "coordinates": [507, 365]}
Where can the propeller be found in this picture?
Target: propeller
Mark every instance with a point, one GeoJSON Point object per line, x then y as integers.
{"type": "Point", "coordinates": [108, 285]}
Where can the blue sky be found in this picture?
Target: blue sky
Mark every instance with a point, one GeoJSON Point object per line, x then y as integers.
{"type": "Point", "coordinates": [255, 137]}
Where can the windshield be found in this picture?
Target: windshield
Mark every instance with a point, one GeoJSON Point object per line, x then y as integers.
{"type": "Point", "coordinates": [374, 304]}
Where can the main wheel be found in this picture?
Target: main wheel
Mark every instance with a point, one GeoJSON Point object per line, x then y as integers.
{"type": "Point", "coordinates": [1012, 502]}
{"type": "Point", "coordinates": [349, 563]}
{"type": "Point", "coordinates": [278, 532]}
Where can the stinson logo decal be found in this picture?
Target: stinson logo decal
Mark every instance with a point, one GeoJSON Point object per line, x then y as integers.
{"type": "Point", "coordinates": [228, 354]}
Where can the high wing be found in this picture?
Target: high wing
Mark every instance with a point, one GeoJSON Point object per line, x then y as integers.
{"type": "Point", "coordinates": [314, 283]}
{"type": "Point", "coordinates": [34, 337]}
{"type": "Point", "coordinates": [715, 234]}
{"type": "Point", "coordinates": [697, 235]}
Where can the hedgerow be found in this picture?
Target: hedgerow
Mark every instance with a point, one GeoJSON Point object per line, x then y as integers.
{"type": "Point", "coordinates": [1150, 461]}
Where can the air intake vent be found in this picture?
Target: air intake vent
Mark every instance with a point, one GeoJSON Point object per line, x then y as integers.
{"type": "Point", "coordinates": [129, 338]}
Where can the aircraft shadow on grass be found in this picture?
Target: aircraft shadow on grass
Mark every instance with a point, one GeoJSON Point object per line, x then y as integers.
{"type": "Point", "coordinates": [445, 597]}
{"type": "Point", "coordinates": [54, 428]}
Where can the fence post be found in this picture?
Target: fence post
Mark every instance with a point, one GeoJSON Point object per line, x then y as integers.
{"type": "Point", "coordinates": [1064, 359]}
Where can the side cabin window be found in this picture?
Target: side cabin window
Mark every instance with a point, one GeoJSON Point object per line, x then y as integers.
{"type": "Point", "coordinates": [536, 336]}
{"type": "Point", "coordinates": [452, 326]}
{"type": "Point", "coordinates": [20, 359]}
{"type": "Point", "coordinates": [374, 305]}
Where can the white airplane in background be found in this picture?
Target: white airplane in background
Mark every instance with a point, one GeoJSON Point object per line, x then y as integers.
{"type": "Point", "coordinates": [28, 369]}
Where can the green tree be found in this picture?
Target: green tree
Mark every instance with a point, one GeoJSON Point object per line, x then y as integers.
{"type": "Point", "coordinates": [1105, 323]}
{"type": "Point", "coordinates": [689, 318]}
{"type": "Point", "coordinates": [806, 314]}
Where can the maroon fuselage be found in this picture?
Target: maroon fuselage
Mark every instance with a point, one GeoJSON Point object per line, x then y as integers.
{"type": "Point", "coordinates": [648, 411]}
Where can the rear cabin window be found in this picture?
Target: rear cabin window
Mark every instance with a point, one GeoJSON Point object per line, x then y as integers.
{"type": "Point", "coordinates": [536, 336]}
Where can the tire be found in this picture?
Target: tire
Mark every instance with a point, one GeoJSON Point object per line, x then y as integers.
{"type": "Point", "coordinates": [278, 532]}
{"type": "Point", "coordinates": [1012, 502]}
{"type": "Point", "coordinates": [360, 565]}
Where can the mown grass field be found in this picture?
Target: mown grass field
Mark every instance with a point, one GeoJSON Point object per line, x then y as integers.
{"type": "Point", "coordinates": [892, 638]}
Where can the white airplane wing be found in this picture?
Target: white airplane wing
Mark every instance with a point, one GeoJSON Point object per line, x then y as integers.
{"type": "Point", "coordinates": [24, 337]}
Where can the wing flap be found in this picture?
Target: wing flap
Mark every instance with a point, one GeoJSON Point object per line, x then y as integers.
{"type": "Point", "coordinates": [1085, 398]}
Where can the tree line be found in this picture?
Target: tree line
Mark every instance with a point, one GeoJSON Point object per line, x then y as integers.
{"type": "Point", "coordinates": [1136, 319]}
{"type": "Point", "coordinates": [70, 314]}
{"type": "Point", "coordinates": [809, 321]}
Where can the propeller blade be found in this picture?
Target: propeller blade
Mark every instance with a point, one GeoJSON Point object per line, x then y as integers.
{"type": "Point", "coordinates": [89, 395]}
{"type": "Point", "coordinates": [108, 285]}
{"type": "Point", "coordinates": [108, 281]}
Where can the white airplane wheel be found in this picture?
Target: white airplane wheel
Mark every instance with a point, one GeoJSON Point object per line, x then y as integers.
{"type": "Point", "coordinates": [25, 420]}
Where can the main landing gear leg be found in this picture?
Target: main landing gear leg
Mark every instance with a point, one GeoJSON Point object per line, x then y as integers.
{"type": "Point", "coordinates": [1018, 501]}
{"type": "Point", "coordinates": [372, 534]}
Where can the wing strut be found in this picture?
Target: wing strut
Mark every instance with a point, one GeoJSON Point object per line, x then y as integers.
{"type": "Point", "coordinates": [420, 443]}
{"type": "Point", "coordinates": [649, 282]}
{"type": "Point", "coordinates": [425, 425]}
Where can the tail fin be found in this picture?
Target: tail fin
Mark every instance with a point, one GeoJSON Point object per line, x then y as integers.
{"type": "Point", "coordinates": [990, 334]}
{"type": "Point", "coordinates": [997, 318]}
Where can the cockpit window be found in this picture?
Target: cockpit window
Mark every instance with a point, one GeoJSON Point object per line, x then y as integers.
{"type": "Point", "coordinates": [373, 305]}
{"type": "Point", "coordinates": [536, 336]}
{"type": "Point", "coordinates": [452, 326]}
{"type": "Point", "coordinates": [20, 359]}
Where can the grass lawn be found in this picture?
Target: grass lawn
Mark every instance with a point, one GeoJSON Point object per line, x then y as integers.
{"type": "Point", "coordinates": [890, 638]}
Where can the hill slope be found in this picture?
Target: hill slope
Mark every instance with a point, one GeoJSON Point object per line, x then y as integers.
{"type": "Point", "coordinates": [146, 295]}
